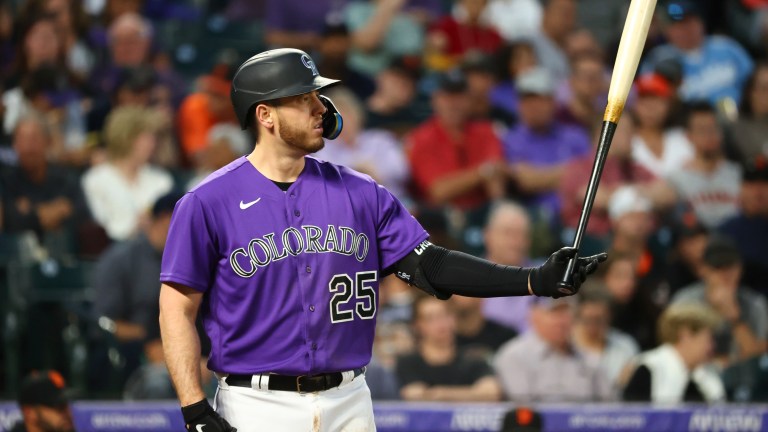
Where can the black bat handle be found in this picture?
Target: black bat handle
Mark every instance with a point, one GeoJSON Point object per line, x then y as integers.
{"type": "Point", "coordinates": [606, 136]}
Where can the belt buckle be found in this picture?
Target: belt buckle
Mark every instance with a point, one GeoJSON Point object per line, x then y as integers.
{"type": "Point", "coordinates": [298, 384]}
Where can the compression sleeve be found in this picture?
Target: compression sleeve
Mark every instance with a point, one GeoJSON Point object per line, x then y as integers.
{"type": "Point", "coordinates": [442, 272]}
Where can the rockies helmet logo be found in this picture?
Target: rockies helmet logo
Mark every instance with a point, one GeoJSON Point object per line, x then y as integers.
{"type": "Point", "coordinates": [309, 64]}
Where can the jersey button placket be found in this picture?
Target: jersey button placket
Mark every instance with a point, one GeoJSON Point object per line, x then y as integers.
{"type": "Point", "coordinates": [311, 308]}
{"type": "Point", "coordinates": [296, 213]}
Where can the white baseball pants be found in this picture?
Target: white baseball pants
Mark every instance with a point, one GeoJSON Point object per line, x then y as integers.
{"type": "Point", "coordinates": [346, 408]}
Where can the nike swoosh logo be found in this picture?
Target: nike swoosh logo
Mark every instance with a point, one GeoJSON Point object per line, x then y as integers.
{"type": "Point", "coordinates": [199, 427]}
{"type": "Point", "coordinates": [244, 205]}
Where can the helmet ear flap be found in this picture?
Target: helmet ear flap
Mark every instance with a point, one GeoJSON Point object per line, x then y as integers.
{"type": "Point", "coordinates": [332, 120]}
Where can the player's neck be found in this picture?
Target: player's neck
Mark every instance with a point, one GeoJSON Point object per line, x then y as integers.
{"type": "Point", "coordinates": [277, 164]}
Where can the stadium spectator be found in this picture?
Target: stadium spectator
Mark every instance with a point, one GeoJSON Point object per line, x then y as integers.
{"type": "Point", "coordinates": [383, 30]}
{"type": "Point", "coordinates": [582, 43]}
{"type": "Point", "coordinates": [461, 32]}
{"type": "Point", "coordinates": [749, 131]}
{"type": "Point", "coordinates": [749, 229]}
{"type": "Point", "coordinates": [709, 184]}
{"type": "Point", "coordinates": [126, 285]}
{"type": "Point", "coordinates": [515, 20]}
{"type": "Point", "coordinates": [539, 147]}
{"type": "Point", "coordinates": [557, 23]}
{"type": "Point", "coordinates": [38, 45]}
{"type": "Point", "coordinates": [633, 311]}
{"type": "Point", "coordinates": [603, 346]}
{"type": "Point", "coordinates": [453, 159]}
{"type": "Point", "coordinates": [475, 335]}
{"type": "Point", "coordinates": [120, 191]}
{"type": "Point", "coordinates": [743, 312]}
{"type": "Point", "coordinates": [507, 239]}
{"type": "Point", "coordinates": [481, 79]}
{"type": "Point", "coordinates": [532, 366]}
{"type": "Point", "coordinates": [44, 405]}
{"type": "Point", "coordinates": [39, 195]}
{"type": "Point", "coordinates": [72, 27]}
{"type": "Point", "coordinates": [677, 371]}
{"type": "Point", "coordinates": [332, 59]}
{"type": "Point", "coordinates": [130, 46]}
{"type": "Point", "coordinates": [715, 68]}
{"type": "Point", "coordinates": [438, 370]}
{"type": "Point", "coordinates": [635, 234]}
{"type": "Point", "coordinates": [395, 103]}
{"type": "Point", "coordinates": [512, 60]}
{"type": "Point", "coordinates": [204, 109]}
{"type": "Point", "coordinates": [656, 146]}
{"type": "Point", "coordinates": [375, 152]}
{"type": "Point", "coordinates": [588, 86]}
{"type": "Point", "coordinates": [689, 239]}
{"type": "Point", "coordinates": [226, 142]}
{"type": "Point", "coordinates": [631, 215]}
{"type": "Point", "coordinates": [299, 24]}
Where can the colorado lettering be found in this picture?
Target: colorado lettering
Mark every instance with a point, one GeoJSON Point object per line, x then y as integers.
{"type": "Point", "coordinates": [260, 252]}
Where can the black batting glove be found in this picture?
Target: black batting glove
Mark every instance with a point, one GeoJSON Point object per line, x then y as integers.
{"type": "Point", "coordinates": [544, 279]}
{"type": "Point", "coordinates": [200, 417]}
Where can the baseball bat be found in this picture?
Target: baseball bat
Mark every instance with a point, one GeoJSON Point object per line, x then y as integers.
{"type": "Point", "coordinates": [627, 58]}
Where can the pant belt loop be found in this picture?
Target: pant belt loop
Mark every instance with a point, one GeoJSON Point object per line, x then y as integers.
{"type": "Point", "coordinates": [346, 377]}
{"type": "Point", "coordinates": [260, 382]}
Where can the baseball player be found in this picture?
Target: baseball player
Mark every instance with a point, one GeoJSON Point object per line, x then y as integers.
{"type": "Point", "coordinates": [282, 255]}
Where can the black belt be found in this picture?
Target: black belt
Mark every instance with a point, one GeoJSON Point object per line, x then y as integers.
{"type": "Point", "coordinates": [301, 383]}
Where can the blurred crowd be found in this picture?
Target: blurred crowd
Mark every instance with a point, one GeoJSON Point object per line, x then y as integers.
{"type": "Point", "coordinates": [481, 115]}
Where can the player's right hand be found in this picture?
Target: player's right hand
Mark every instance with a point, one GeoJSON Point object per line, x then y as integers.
{"type": "Point", "coordinates": [544, 279]}
{"type": "Point", "coordinates": [200, 417]}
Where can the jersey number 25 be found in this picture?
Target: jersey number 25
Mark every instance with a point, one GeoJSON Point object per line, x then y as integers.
{"type": "Point", "coordinates": [365, 296]}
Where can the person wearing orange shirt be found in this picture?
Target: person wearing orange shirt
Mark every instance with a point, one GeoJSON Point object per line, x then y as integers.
{"type": "Point", "coordinates": [202, 110]}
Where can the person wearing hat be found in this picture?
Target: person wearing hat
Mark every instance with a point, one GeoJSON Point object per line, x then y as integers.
{"type": "Point", "coordinates": [281, 254]}
{"type": "Point", "coordinates": [539, 148]}
{"type": "Point", "coordinates": [749, 228]}
{"type": "Point", "coordinates": [125, 283]}
{"type": "Point", "coordinates": [44, 404]}
{"type": "Point", "coordinates": [455, 160]}
{"type": "Point", "coordinates": [744, 312]}
{"type": "Point", "coordinates": [715, 68]}
{"type": "Point", "coordinates": [542, 365]}
{"type": "Point", "coordinates": [656, 146]}
{"type": "Point", "coordinates": [396, 103]}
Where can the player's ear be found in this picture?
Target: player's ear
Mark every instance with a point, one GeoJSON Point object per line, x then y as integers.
{"type": "Point", "coordinates": [264, 115]}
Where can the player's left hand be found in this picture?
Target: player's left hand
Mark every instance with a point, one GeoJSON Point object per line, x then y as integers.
{"type": "Point", "coordinates": [200, 417]}
{"type": "Point", "coordinates": [544, 279]}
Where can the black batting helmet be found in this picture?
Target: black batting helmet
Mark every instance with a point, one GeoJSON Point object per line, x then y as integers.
{"type": "Point", "coordinates": [271, 75]}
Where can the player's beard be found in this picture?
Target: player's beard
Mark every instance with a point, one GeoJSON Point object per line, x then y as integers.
{"type": "Point", "coordinates": [299, 138]}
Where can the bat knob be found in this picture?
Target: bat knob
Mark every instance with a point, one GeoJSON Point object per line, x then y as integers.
{"type": "Point", "coordinates": [566, 288]}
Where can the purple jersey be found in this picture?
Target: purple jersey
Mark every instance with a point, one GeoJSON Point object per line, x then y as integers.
{"type": "Point", "coordinates": [291, 278]}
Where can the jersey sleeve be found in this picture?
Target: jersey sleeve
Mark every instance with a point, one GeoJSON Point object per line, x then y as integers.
{"type": "Point", "coordinates": [397, 231]}
{"type": "Point", "coordinates": [190, 254]}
